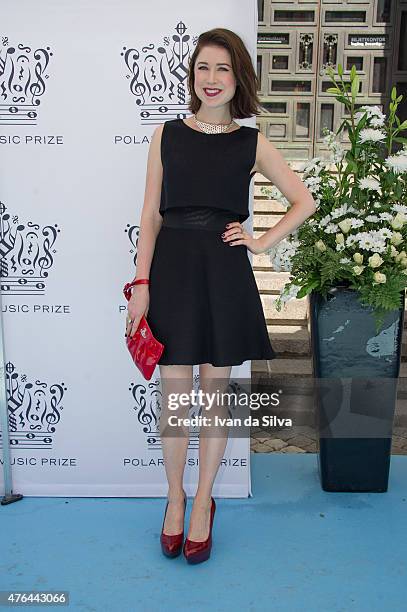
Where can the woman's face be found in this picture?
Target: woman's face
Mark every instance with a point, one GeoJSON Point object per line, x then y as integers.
{"type": "Point", "coordinates": [213, 70]}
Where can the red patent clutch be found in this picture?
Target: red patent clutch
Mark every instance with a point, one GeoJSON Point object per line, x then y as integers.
{"type": "Point", "coordinates": [144, 349]}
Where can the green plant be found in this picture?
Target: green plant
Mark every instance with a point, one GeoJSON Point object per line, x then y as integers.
{"type": "Point", "coordinates": [358, 232]}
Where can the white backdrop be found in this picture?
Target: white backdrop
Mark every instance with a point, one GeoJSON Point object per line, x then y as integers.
{"type": "Point", "coordinates": [83, 84]}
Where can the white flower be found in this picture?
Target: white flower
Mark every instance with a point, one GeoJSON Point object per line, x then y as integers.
{"type": "Point", "coordinates": [356, 222]}
{"type": "Point", "coordinates": [294, 290]}
{"type": "Point", "coordinates": [351, 240]}
{"type": "Point", "coordinates": [325, 220]}
{"type": "Point", "coordinates": [331, 228]}
{"type": "Point", "coordinates": [345, 225]}
{"type": "Point", "coordinates": [400, 256]}
{"type": "Point", "coordinates": [397, 163]}
{"type": "Point", "coordinates": [313, 180]}
{"type": "Point", "coordinates": [379, 278]}
{"type": "Point", "coordinates": [313, 183]}
{"type": "Point", "coordinates": [302, 166]}
{"type": "Point", "coordinates": [337, 150]}
{"type": "Point", "coordinates": [372, 218]}
{"type": "Point", "coordinates": [320, 245]}
{"type": "Point", "coordinates": [344, 260]}
{"type": "Point", "coordinates": [398, 221]}
{"type": "Point", "coordinates": [329, 136]}
{"type": "Point", "coordinates": [385, 232]}
{"type": "Point", "coordinates": [315, 165]}
{"type": "Point", "coordinates": [340, 211]}
{"type": "Point", "coordinates": [366, 241]}
{"type": "Point", "coordinates": [274, 193]}
{"type": "Point", "coordinates": [385, 216]}
{"type": "Point", "coordinates": [338, 153]}
{"type": "Point", "coordinates": [350, 223]}
{"type": "Point", "coordinates": [374, 115]}
{"type": "Point", "coordinates": [399, 208]}
{"type": "Point", "coordinates": [358, 258]}
{"type": "Point", "coordinates": [396, 238]}
{"type": "Point", "coordinates": [281, 254]}
{"type": "Point", "coordinates": [358, 270]}
{"type": "Point", "coordinates": [375, 261]}
{"type": "Point", "coordinates": [288, 293]}
{"type": "Point", "coordinates": [371, 135]}
{"type": "Point", "coordinates": [369, 183]}
{"type": "Point", "coordinates": [369, 241]}
{"type": "Point", "coordinates": [377, 121]}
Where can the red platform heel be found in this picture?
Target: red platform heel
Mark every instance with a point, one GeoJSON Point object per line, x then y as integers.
{"type": "Point", "coordinates": [196, 552]}
{"type": "Point", "coordinates": [171, 545]}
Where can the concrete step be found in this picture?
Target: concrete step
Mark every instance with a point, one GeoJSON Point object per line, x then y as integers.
{"type": "Point", "coordinates": [269, 281]}
{"type": "Point", "coordinates": [288, 340]}
{"type": "Point", "coordinates": [262, 204]}
{"type": "Point", "coordinates": [295, 165]}
{"type": "Point", "coordinates": [292, 375]}
{"type": "Point", "coordinates": [262, 260]}
{"type": "Point", "coordinates": [263, 222]}
{"type": "Point", "coordinates": [294, 310]}
{"type": "Point", "coordinates": [295, 368]}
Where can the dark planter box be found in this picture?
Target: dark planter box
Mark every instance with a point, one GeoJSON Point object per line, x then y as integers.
{"type": "Point", "coordinates": [355, 374]}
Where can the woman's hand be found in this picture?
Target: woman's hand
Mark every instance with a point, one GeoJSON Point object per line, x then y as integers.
{"type": "Point", "coordinates": [236, 234]}
{"type": "Point", "coordinates": [137, 306]}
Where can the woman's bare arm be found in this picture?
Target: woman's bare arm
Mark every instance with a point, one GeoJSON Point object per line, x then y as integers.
{"type": "Point", "coordinates": [150, 225]}
{"type": "Point", "coordinates": [273, 166]}
{"type": "Point", "coordinates": [151, 220]}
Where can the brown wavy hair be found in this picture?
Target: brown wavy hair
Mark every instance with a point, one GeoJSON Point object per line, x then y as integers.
{"type": "Point", "coordinates": [245, 103]}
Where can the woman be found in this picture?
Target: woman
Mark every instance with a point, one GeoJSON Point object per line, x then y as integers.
{"type": "Point", "coordinates": [202, 300]}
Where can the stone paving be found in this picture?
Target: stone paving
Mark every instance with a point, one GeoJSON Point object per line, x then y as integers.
{"type": "Point", "coordinates": [302, 439]}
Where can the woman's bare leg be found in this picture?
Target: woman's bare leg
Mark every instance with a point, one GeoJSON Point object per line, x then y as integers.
{"type": "Point", "coordinates": [212, 444]}
{"type": "Point", "coordinates": [174, 379]}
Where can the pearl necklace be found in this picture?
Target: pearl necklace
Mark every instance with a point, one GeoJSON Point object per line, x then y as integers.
{"type": "Point", "coordinates": [212, 128]}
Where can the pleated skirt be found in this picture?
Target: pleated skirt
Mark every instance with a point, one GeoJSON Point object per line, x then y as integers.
{"type": "Point", "coordinates": [204, 302]}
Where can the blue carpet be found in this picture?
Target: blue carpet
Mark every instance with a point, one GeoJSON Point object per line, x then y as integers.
{"type": "Point", "coordinates": [292, 547]}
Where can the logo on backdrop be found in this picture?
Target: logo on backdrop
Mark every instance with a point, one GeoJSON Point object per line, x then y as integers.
{"type": "Point", "coordinates": [148, 405]}
{"type": "Point", "coordinates": [34, 409]}
{"type": "Point", "coordinates": [23, 73]}
{"type": "Point", "coordinates": [26, 254]}
{"type": "Point", "coordinates": [157, 76]}
{"type": "Point", "coordinates": [133, 232]}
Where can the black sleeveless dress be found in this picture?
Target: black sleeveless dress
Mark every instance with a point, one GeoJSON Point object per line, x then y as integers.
{"type": "Point", "coordinates": [204, 302]}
